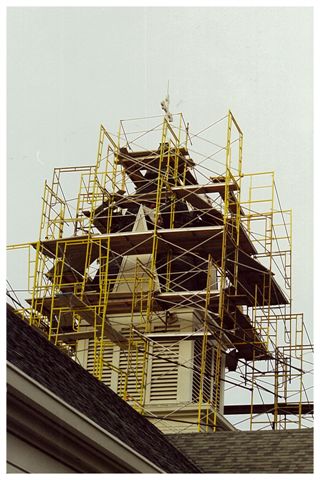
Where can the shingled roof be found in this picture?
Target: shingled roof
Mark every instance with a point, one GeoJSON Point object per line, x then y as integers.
{"type": "Point", "coordinates": [282, 451]}
{"type": "Point", "coordinates": [28, 350]}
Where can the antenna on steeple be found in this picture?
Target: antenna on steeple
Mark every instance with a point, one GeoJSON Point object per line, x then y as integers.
{"type": "Point", "coordinates": [165, 106]}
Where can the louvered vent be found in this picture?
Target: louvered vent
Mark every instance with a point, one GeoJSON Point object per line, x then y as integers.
{"type": "Point", "coordinates": [132, 367]}
{"type": "Point", "coordinates": [163, 359]}
{"type": "Point", "coordinates": [208, 380]}
{"type": "Point", "coordinates": [164, 380]}
{"type": "Point", "coordinates": [107, 359]}
{"type": "Point", "coordinates": [135, 368]}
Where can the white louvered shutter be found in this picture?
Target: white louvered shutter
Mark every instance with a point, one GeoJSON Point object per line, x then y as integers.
{"type": "Point", "coordinates": [164, 372]}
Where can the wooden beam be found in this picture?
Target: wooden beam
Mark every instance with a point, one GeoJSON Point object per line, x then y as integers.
{"type": "Point", "coordinates": [283, 409]}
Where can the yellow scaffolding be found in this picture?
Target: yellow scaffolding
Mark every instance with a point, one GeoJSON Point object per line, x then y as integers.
{"type": "Point", "coordinates": [145, 238]}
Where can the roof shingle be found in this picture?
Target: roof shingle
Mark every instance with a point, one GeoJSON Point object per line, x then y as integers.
{"type": "Point", "coordinates": [28, 350]}
{"type": "Point", "coordinates": [282, 451]}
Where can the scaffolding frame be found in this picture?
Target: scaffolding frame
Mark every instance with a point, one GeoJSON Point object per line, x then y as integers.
{"type": "Point", "coordinates": [77, 287]}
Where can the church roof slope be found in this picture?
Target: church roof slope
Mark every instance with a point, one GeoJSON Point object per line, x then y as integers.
{"type": "Point", "coordinates": [29, 351]}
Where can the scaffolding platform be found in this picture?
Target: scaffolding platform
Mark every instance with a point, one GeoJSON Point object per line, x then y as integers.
{"type": "Point", "coordinates": [79, 251]}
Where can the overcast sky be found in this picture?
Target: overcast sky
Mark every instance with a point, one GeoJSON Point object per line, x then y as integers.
{"type": "Point", "coordinates": [69, 69]}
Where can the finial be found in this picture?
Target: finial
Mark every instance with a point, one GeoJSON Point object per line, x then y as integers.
{"type": "Point", "coordinates": [165, 106]}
